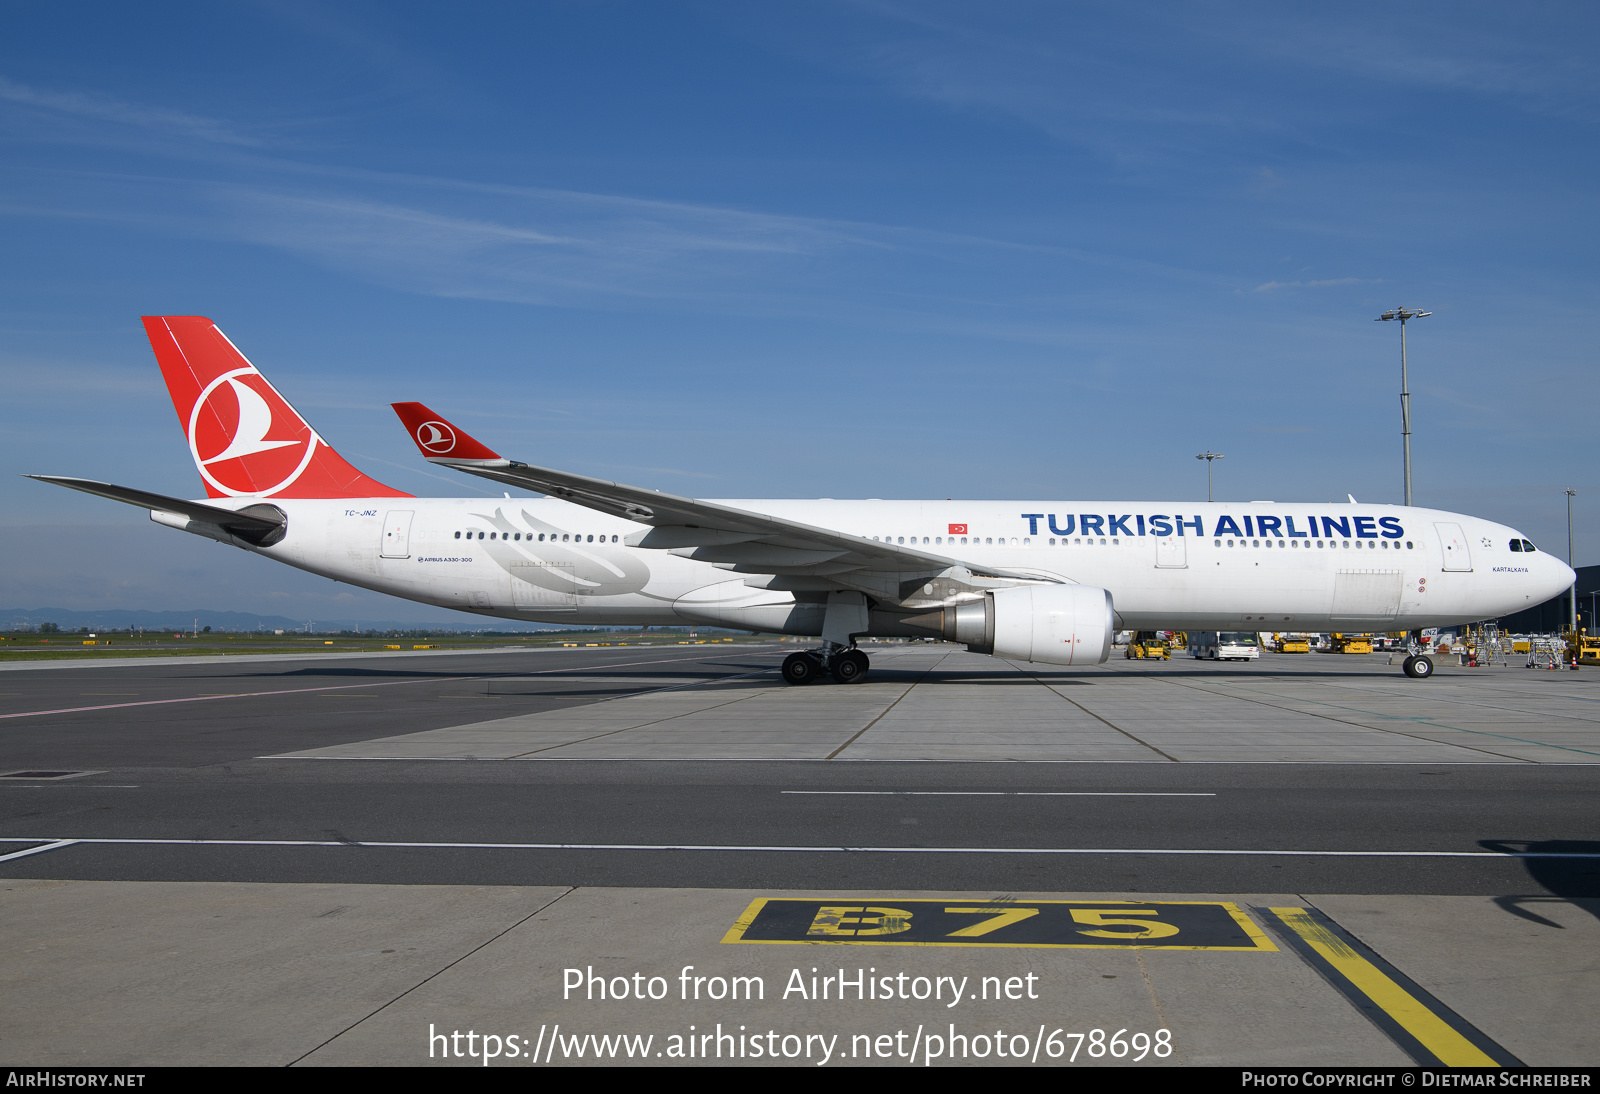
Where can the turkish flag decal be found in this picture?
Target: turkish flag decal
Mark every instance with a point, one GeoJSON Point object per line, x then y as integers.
{"type": "Point", "coordinates": [958, 529]}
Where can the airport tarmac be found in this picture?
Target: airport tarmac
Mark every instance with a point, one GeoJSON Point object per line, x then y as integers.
{"type": "Point", "coordinates": [311, 861]}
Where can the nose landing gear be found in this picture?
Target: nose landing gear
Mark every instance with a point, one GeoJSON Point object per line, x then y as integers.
{"type": "Point", "coordinates": [846, 666]}
{"type": "Point", "coordinates": [1418, 666]}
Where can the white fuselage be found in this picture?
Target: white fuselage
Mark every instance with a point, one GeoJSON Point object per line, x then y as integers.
{"type": "Point", "coordinates": [1223, 566]}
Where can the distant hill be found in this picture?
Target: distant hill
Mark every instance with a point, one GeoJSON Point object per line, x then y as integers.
{"type": "Point", "coordinates": [121, 618]}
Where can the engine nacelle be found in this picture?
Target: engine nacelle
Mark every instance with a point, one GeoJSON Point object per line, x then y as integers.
{"type": "Point", "coordinates": [1048, 624]}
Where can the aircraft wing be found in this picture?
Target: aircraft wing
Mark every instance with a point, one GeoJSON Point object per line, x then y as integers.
{"type": "Point", "coordinates": [255, 524]}
{"type": "Point", "coordinates": [739, 540]}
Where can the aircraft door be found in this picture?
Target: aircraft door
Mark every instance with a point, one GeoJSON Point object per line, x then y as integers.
{"type": "Point", "coordinates": [1171, 553]}
{"type": "Point", "coordinates": [396, 541]}
{"type": "Point", "coordinates": [1453, 542]}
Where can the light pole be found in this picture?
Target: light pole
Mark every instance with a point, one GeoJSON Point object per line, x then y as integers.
{"type": "Point", "coordinates": [1570, 495]}
{"type": "Point", "coordinates": [1208, 456]}
{"type": "Point", "coordinates": [1403, 314]}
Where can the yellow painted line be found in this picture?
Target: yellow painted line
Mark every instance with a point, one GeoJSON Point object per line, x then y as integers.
{"type": "Point", "coordinates": [1434, 1033]}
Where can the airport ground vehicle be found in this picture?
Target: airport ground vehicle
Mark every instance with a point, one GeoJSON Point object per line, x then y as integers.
{"type": "Point", "coordinates": [1043, 581]}
{"type": "Point", "coordinates": [1582, 648]}
{"type": "Point", "coordinates": [1224, 645]}
{"type": "Point", "coordinates": [1293, 643]}
{"type": "Point", "coordinates": [1350, 643]}
{"type": "Point", "coordinates": [1148, 644]}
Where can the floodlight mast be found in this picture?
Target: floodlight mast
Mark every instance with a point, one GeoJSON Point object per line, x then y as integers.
{"type": "Point", "coordinates": [1208, 456]}
{"type": "Point", "coordinates": [1403, 314]}
{"type": "Point", "coordinates": [1570, 495]}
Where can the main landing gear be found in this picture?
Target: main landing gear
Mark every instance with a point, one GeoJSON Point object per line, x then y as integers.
{"type": "Point", "coordinates": [846, 666]}
{"type": "Point", "coordinates": [1417, 666]}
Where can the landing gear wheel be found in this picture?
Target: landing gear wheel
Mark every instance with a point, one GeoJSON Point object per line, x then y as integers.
{"type": "Point", "coordinates": [801, 668]}
{"type": "Point", "coordinates": [1418, 667]}
{"type": "Point", "coordinates": [850, 667]}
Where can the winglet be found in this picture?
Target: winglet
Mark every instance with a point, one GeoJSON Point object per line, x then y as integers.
{"type": "Point", "coordinates": [438, 439]}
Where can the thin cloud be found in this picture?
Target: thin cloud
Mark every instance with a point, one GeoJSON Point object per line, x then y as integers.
{"type": "Point", "coordinates": [106, 109]}
{"type": "Point", "coordinates": [1273, 286]}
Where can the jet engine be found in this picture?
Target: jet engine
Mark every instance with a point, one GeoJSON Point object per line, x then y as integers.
{"type": "Point", "coordinates": [1049, 624]}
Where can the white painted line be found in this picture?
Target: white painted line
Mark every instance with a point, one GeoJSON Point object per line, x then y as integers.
{"type": "Point", "coordinates": [36, 850]}
{"type": "Point", "coordinates": [1006, 793]}
{"type": "Point", "coordinates": [786, 848]}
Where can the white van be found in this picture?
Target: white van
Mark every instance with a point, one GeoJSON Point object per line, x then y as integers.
{"type": "Point", "coordinates": [1224, 645]}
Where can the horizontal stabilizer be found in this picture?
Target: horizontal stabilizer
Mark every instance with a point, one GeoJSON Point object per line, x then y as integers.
{"type": "Point", "coordinates": [261, 525]}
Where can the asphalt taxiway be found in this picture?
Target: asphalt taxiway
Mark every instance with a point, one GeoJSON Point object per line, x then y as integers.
{"type": "Point", "coordinates": [624, 804]}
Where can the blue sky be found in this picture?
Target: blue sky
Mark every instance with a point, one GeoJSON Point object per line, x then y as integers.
{"type": "Point", "coordinates": [1011, 250]}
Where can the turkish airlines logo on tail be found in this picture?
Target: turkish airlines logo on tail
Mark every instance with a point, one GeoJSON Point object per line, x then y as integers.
{"type": "Point", "coordinates": [436, 437]}
{"type": "Point", "coordinates": [245, 438]}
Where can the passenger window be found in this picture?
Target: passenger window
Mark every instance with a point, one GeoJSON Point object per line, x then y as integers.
{"type": "Point", "coordinates": [458, 535]}
{"type": "Point", "coordinates": [480, 535]}
{"type": "Point", "coordinates": [564, 537]}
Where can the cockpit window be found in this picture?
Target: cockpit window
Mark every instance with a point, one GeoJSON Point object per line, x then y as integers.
{"type": "Point", "coordinates": [1516, 545]}
{"type": "Point", "coordinates": [1527, 545]}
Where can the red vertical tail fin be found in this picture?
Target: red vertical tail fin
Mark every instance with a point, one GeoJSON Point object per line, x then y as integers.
{"type": "Point", "coordinates": [247, 441]}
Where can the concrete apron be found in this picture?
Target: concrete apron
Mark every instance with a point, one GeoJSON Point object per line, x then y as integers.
{"type": "Point", "coordinates": [152, 973]}
{"type": "Point", "coordinates": [938, 703]}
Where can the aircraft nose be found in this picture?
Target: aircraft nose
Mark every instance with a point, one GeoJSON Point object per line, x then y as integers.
{"type": "Point", "coordinates": [1561, 575]}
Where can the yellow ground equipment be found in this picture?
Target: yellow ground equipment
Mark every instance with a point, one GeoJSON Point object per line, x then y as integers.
{"type": "Point", "coordinates": [1290, 643]}
{"type": "Point", "coordinates": [1148, 644]}
{"type": "Point", "coordinates": [1586, 648]}
{"type": "Point", "coordinates": [1352, 643]}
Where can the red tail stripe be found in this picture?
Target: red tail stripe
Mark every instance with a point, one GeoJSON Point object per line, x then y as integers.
{"type": "Point", "coordinates": [267, 449]}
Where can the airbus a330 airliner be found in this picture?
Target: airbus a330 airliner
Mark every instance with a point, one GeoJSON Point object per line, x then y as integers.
{"type": "Point", "coordinates": [1040, 581]}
